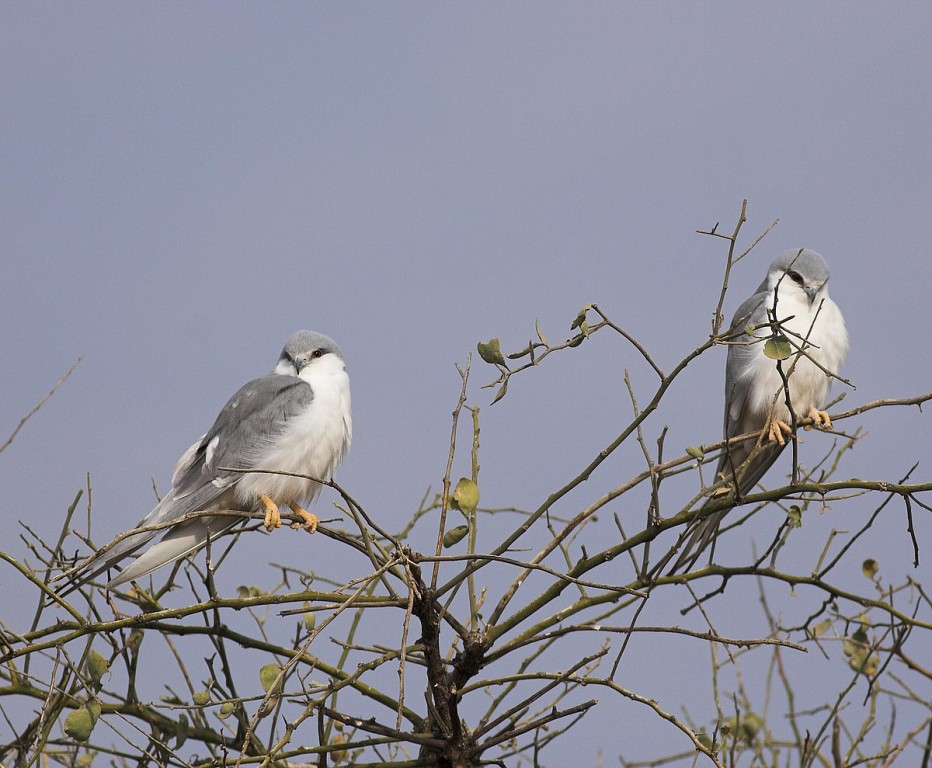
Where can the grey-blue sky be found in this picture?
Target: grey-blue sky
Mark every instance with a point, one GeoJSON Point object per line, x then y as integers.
{"type": "Point", "coordinates": [183, 186]}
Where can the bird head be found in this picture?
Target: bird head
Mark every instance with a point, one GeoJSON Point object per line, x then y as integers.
{"type": "Point", "coordinates": [799, 269]}
{"type": "Point", "coordinates": [306, 348]}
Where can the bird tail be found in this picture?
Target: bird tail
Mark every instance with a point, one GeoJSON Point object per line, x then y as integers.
{"type": "Point", "coordinates": [698, 535]}
{"type": "Point", "coordinates": [699, 538]}
{"type": "Point", "coordinates": [181, 540]}
{"type": "Point", "coordinates": [100, 562]}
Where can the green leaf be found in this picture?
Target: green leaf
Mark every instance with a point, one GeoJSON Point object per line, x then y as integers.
{"type": "Point", "coordinates": [339, 755]}
{"type": "Point", "coordinates": [696, 453]}
{"type": "Point", "coordinates": [79, 724]}
{"type": "Point", "coordinates": [465, 496]}
{"type": "Point", "coordinates": [870, 567]}
{"type": "Point", "coordinates": [580, 321]}
{"type": "Point", "coordinates": [181, 735]}
{"type": "Point", "coordinates": [750, 726]}
{"type": "Point", "coordinates": [202, 698]}
{"type": "Point", "coordinates": [540, 334]}
{"type": "Point", "coordinates": [96, 666]}
{"type": "Point", "coordinates": [455, 535]}
{"type": "Point", "coordinates": [821, 628]}
{"type": "Point", "coordinates": [491, 352]}
{"type": "Point", "coordinates": [501, 393]}
{"type": "Point", "coordinates": [778, 348]}
{"type": "Point", "coordinates": [227, 709]}
{"type": "Point", "coordinates": [310, 618]}
{"type": "Point", "coordinates": [528, 350]}
{"type": "Point", "coordinates": [268, 677]}
{"type": "Point", "coordinates": [134, 640]}
{"type": "Point", "coordinates": [794, 517]}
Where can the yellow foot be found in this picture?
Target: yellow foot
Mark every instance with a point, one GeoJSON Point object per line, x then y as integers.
{"type": "Point", "coordinates": [310, 519]}
{"type": "Point", "coordinates": [776, 431]}
{"type": "Point", "coordinates": [273, 518]}
{"type": "Point", "coordinates": [819, 419]}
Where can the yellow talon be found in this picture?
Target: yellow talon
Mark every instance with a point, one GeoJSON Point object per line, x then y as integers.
{"type": "Point", "coordinates": [819, 419]}
{"type": "Point", "coordinates": [273, 518]}
{"type": "Point", "coordinates": [310, 519]}
{"type": "Point", "coordinates": [777, 430]}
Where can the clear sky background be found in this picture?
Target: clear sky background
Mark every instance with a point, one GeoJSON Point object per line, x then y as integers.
{"type": "Point", "coordinates": [183, 186]}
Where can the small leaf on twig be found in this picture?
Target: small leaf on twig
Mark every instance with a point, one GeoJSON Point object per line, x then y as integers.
{"type": "Point", "coordinates": [580, 321]}
{"type": "Point", "coordinates": [310, 618]}
{"type": "Point", "coordinates": [540, 334]}
{"type": "Point", "coordinates": [696, 453]}
{"type": "Point", "coordinates": [501, 392]}
{"type": "Point", "coordinates": [96, 666]}
{"type": "Point", "coordinates": [528, 350]}
{"type": "Point", "coordinates": [870, 567]}
{"type": "Point", "coordinates": [778, 348]}
{"type": "Point", "coordinates": [465, 496]}
{"type": "Point", "coordinates": [455, 536]}
{"type": "Point", "coordinates": [794, 518]}
{"type": "Point", "coordinates": [491, 352]}
{"type": "Point", "coordinates": [80, 723]}
{"type": "Point", "coordinates": [268, 677]}
{"type": "Point", "coordinates": [821, 628]}
{"type": "Point", "coordinates": [181, 735]}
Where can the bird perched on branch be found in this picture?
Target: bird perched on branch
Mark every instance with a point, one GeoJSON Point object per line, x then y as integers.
{"type": "Point", "coordinates": [295, 419]}
{"type": "Point", "coordinates": [791, 325]}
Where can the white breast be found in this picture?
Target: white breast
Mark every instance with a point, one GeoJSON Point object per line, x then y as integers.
{"type": "Point", "coordinates": [808, 384]}
{"type": "Point", "coordinates": [313, 442]}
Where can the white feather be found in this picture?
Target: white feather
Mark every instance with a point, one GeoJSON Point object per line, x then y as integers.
{"type": "Point", "coordinates": [821, 323]}
{"type": "Point", "coordinates": [313, 443]}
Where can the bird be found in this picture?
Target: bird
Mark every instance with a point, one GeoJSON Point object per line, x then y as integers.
{"type": "Point", "coordinates": [295, 419]}
{"type": "Point", "coordinates": [792, 306]}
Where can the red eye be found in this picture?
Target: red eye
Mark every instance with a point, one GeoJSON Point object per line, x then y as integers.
{"type": "Point", "coordinates": [317, 353]}
{"type": "Point", "coordinates": [795, 277]}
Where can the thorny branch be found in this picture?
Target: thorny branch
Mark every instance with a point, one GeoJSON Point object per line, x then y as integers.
{"type": "Point", "coordinates": [427, 674]}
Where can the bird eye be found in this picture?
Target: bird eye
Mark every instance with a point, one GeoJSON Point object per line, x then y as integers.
{"type": "Point", "coordinates": [317, 353]}
{"type": "Point", "coordinates": [795, 277]}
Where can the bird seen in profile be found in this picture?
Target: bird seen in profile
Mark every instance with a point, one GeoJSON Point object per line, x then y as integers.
{"type": "Point", "coordinates": [295, 419]}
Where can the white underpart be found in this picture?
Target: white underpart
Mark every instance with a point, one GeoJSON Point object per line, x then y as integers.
{"type": "Point", "coordinates": [313, 443]}
{"type": "Point", "coordinates": [821, 324]}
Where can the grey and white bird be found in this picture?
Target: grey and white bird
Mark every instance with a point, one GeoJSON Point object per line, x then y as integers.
{"type": "Point", "coordinates": [295, 419]}
{"type": "Point", "coordinates": [792, 301]}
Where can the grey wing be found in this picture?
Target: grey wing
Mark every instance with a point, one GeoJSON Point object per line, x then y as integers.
{"type": "Point", "coordinates": [247, 425]}
{"type": "Point", "coordinates": [739, 419]}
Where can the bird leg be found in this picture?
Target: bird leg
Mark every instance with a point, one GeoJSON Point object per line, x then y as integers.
{"type": "Point", "coordinates": [310, 519]}
{"type": "Point", "coordinates": [819, 419]}
{"type": "Point", "coordinates": [273, 518]}
{"type": "Point", "coordinates": [777, 429]}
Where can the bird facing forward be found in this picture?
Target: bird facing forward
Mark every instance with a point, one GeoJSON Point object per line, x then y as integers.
{"type": "Point", "coordinates": [793, 303]}
{"type": "Point", "coordinates": [295, 419]}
